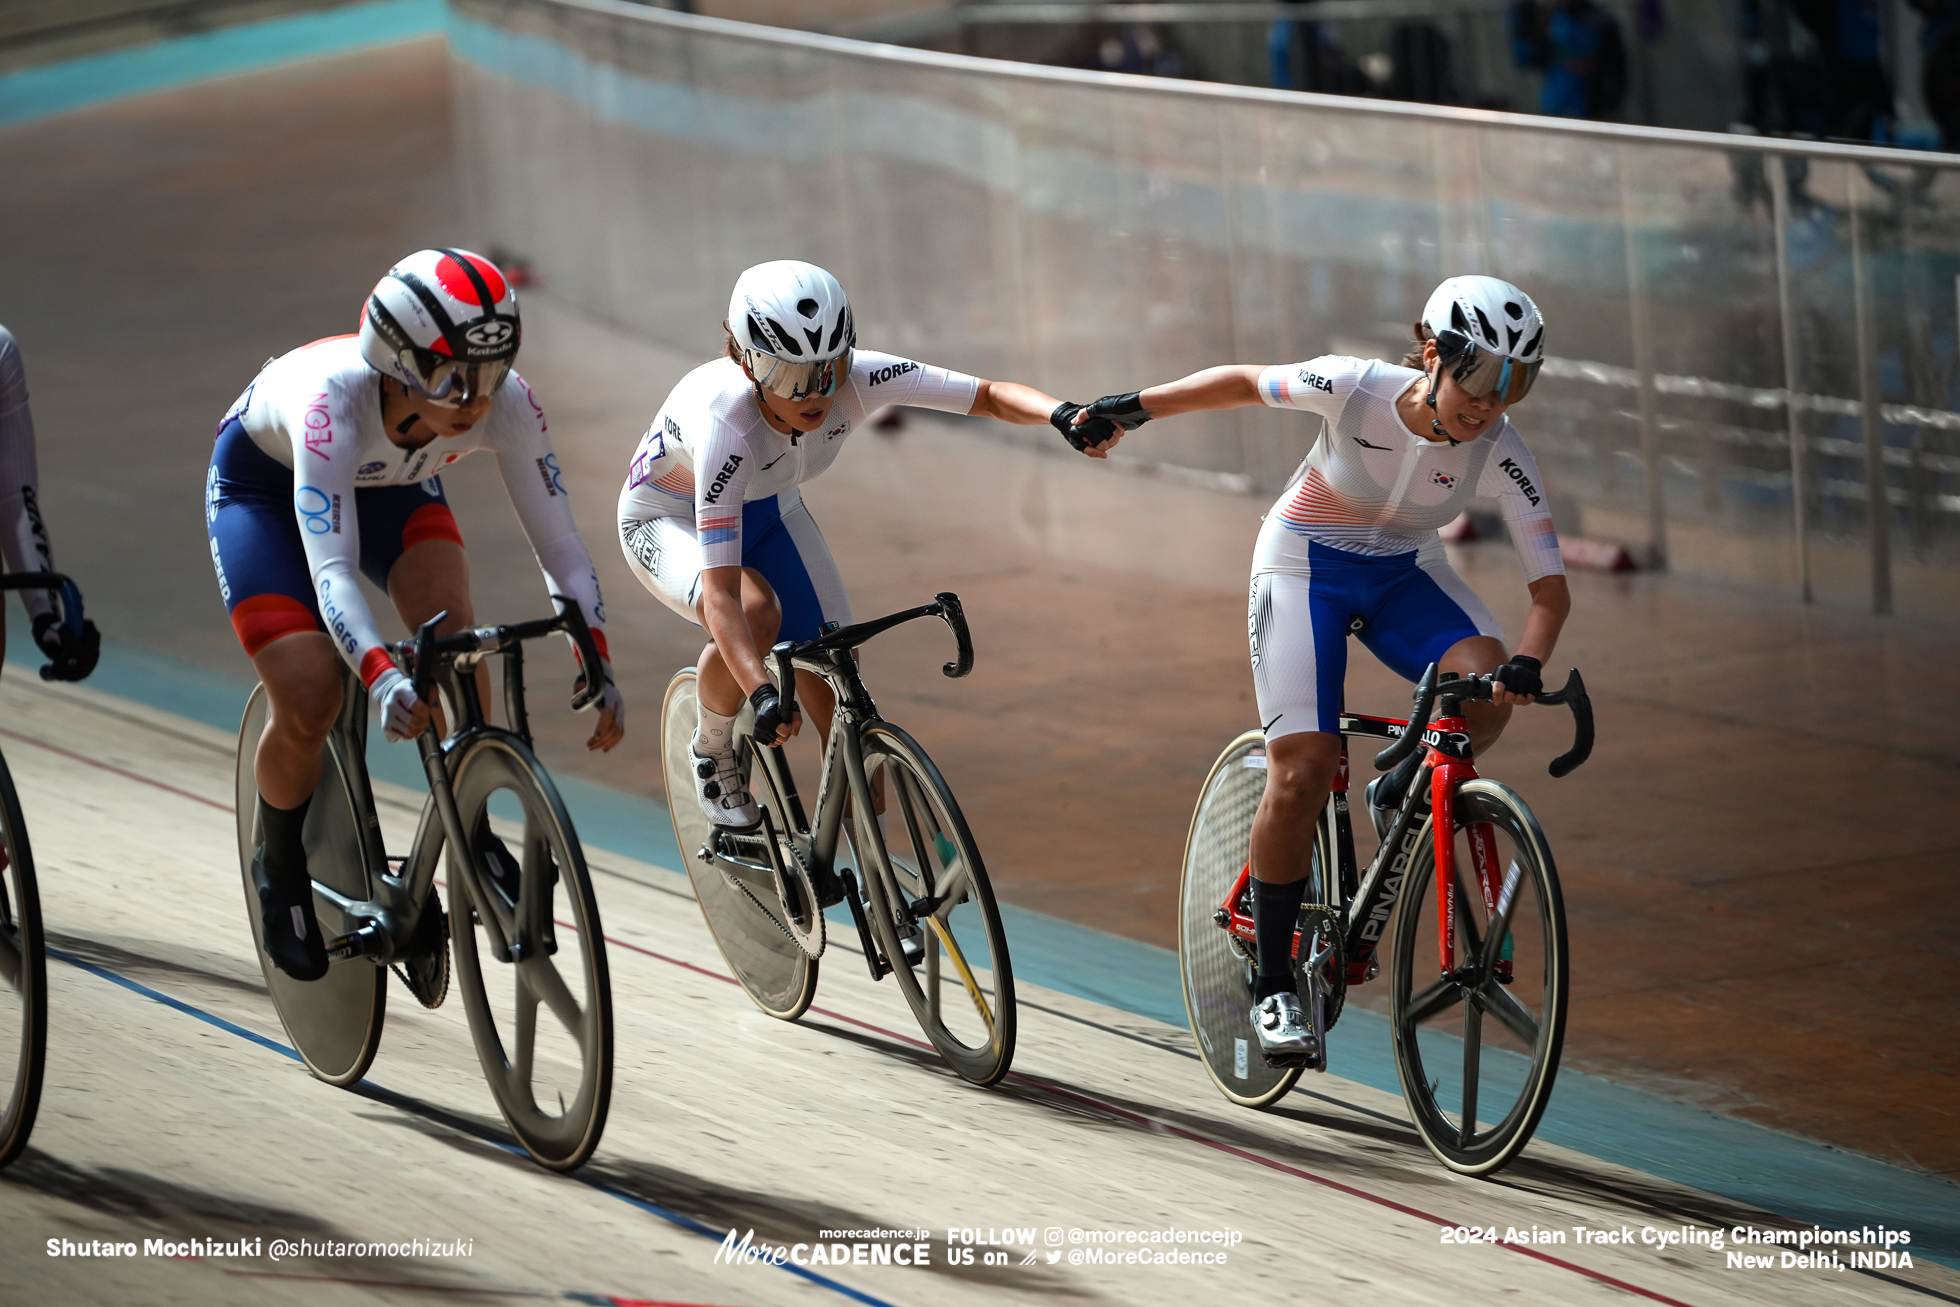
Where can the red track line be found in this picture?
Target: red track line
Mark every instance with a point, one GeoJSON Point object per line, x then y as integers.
{"type": "Point", "coordinates": [1123, 1113]}
{"type": "Point", "coordinates": [111, 767]}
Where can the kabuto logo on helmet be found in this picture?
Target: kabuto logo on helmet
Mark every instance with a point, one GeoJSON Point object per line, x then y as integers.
{"type": "Point", "coordinates": [445, 324]}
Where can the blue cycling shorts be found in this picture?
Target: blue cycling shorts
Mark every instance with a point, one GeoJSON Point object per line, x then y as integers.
{"type": "Point", "coordinates": [253, 527]}
{"type": "Point", "coordinates": [779, 540]}
{"type": "Point", "coordinates": [1413, 607]}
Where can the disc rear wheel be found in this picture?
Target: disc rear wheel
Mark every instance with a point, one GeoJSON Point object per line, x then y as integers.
{"type": "Point", "coordinates": [778, 975]}
{"type": "Point", "coordinates": [334, 1022]}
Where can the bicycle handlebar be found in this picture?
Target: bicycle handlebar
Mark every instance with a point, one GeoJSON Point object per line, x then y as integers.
{"type": "Point", "coordinates": [1477, 689]}
{"type": "Point", "coordinates": [945, 605]}
{"type": "Point", "coordinates": [427, 647]}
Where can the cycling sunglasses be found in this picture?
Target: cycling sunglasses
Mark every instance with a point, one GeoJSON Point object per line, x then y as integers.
{"type": "Point", "coordinates": [1482, 372]}
{"type": "Point", "coordinates": [453, 383]}
{"type": "Point", "coordinates": [798, 380]}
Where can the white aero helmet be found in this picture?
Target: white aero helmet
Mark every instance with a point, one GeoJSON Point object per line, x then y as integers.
{"type": "Point", "coordinates": [443, 323]}
{"type": "Point", "coordinates": [1488, 334]}
{"type": "Point", "coordinates": [792, 322]}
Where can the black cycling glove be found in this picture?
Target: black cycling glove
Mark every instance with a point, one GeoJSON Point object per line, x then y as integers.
{"type": "Point", "coordinates": [1085, 437]}
{"type": "Point", "coordinates": [71, 656]}
{"type": "Point", "coordinates": [770, 717]}
{"type": "Point", "coordinates": [1521, 675]}
{"type": "Point", "coordinates": [1126, 411]}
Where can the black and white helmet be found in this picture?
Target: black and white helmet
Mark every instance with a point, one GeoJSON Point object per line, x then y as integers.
{"type": "Point", "coordinates": [1488, 333]}
{"type": "Point", "coordinates": [792, 323]}
{"type": "Point", "coordinates": [443, 323]}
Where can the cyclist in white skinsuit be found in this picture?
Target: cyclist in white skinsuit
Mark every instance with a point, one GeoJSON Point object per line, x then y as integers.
{"type": "Point", "coordinates": [711, 519]}
{"type": "Point", "coordinates": [330, 463]}
{"type": "Point", "coordinates": [23, 536]}
{"type": "Point", "coordinates": [1353, 539]}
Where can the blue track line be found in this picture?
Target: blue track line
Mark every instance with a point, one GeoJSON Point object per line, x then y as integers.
{"type": "Point", "coordinates": [673, 1218]}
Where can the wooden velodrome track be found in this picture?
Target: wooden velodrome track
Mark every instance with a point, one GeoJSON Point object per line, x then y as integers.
{"type": "Point", "coordinates": [1777, 950]}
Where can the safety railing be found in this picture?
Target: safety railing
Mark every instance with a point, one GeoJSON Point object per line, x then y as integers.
{"type": "Point", "coordinates": [1755, 375]}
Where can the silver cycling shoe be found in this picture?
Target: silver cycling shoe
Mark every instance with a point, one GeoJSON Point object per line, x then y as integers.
{"type": "Point", "coordinates": [723, 793]}
{"type": "Point", "coordinates": [1286, 1037]}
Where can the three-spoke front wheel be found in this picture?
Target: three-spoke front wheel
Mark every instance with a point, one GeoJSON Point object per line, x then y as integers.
{"type": "Point", "coordinates": [535, 985]}
{"type": "Point", "coordinates": [1477, 1045]}
{"type": "Point", "coordinates": [934, 909]}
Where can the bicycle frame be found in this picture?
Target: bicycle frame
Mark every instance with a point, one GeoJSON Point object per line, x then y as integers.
{"type": "Point", "coordinates": [392, 916]}
{"type": "Point", "coordinates": [1362, 904]}
{"type": "Point", "coordinates": [841, 771]}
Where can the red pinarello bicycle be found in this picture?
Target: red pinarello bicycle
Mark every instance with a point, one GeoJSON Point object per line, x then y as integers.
{"type": "Point", "coordinates": [1478, 966]}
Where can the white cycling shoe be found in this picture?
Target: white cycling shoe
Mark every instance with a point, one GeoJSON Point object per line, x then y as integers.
{"type": "Point", "coordinates": [724, 795]}
{"type": "Point", "coordinates": [1286, 1037]}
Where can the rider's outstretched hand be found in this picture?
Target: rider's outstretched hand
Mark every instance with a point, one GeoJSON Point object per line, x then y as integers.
{"type": "Point", "coordinates": [1095, 437]}
{"type": "Point", "coordinates": [71, 655]}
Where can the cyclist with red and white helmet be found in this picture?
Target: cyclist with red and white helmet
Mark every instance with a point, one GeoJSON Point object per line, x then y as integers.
{"type": "Point", "coordinates": [330, 464]}
{"type": "Point", "coordinates": [1351, 545]}
{"type": "Point", "coordinates": [711, 518]}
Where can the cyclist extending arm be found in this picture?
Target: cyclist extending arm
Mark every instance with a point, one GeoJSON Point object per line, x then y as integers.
{"type": "Point", "coordinates": [711, 517]}
{"type": "Point", "coordinates": [1353, 540]}
{"type": "Point", "coordinates": [71, 651]}
{"type": "Point", "coordinates": [329, 463]}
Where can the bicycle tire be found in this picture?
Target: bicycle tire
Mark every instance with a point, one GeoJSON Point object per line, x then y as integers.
{"type": "Point", "coordinates": [23, 977]}
{"type": "Point", "coordinates": [775, 973]}
{"type": "Point", "coordinates": [334, 1022]}
{"type": "Point", "coordinates": [919, 853]}
{"type": "Point", "coordinates": [1217, 976]}
{"type": "Point", "coordinates": [1515, 1057]}
{"type": "Point", "coordinates": [577, 1053]}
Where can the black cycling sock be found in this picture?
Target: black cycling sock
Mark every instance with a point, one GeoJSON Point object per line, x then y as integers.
{"type": "Point", "coordinates": [1275, 916]}
{"type": "Point", "coordinates": [284, 830]}
{"type": "Point", "coordinates": [289, 927]}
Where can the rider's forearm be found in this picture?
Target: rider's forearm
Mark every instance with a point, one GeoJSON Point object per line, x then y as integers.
{"type": "Point", "coordinates": [728, 627]}
{"type": "Point", "coordinates": [1551, 604]}
{"type": "Point", "coordinates": [1235, 385]}
{"type": "Point", "coordinates": [1010, 401]}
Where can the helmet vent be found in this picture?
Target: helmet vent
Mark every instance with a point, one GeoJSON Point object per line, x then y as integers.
{"type": "Point", "coordinates": [782, 337]}
{"type": "Point", "coordinates": [1513, 334]}
{"type": "Point", "coordinates": [808, 308]}
{"type": "Point", "coordinates": [1515, 309]}
{"type": "Point", "coordinates": [1490, 332]}
{"type": "Point", "coordinates": [1532, 346]}
{"type": "Point", "coordinates": [837, 332]}
{"type": "Point", "coordinates": [815, 336]}
{"type": "Point", "coordinates": [1457, 320]}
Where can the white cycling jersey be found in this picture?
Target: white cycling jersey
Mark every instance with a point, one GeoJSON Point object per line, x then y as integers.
{"type": "Point", "coordinates": [317, 410]}
{"type": "Point", "coordinates": [23, 537]}
{"type": "Point", "coordinates": [709, 449]}
{"type": "Point", "coordinates": [1371, 486]}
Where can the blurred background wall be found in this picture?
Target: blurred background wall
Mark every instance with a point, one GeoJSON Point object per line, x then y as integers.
{"type": "Point", "coordinates": [1104, 237]}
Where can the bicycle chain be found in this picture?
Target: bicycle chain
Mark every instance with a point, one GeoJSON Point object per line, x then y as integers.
{"type": "Point", "coordinates": [775, 921]}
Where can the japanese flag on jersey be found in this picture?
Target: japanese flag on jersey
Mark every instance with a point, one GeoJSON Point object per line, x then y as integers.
{"type": "Point", "coordinates": [443, 323]}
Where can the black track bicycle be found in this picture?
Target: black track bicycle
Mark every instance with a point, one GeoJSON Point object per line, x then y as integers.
{"type": "Point", "coordinates": [23, 950]}
{"type": "Point", "coordinates": [535, 988]}
{"type": "Point", "coordinates": [1479, 969]}
{"type": "Point", "coordinates": [889, 842]}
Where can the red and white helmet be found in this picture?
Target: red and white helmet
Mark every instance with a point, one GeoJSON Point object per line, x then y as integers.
{"type": "Point", "coordinates": [443, 323]}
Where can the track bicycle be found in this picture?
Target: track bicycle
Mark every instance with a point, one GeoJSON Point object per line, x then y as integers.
{"type": "Point", "coordinates": [513, 857]}
{"type": "Point", "coordinates": [889, 842]}
{"type": "Point", "coordinates": [23, 950]}
{"type": "Point", "coordinates": [1478, 1012]}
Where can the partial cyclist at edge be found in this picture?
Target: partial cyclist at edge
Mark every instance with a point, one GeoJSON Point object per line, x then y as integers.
{"type": "Point", "coordinates": [1353, 539]}
{"type": "Point", "coordinates": [711, 516]}
{"type": "Point", "coordinates": [330, 462]}
{"type": "Point", "coordinates": [71, 651]}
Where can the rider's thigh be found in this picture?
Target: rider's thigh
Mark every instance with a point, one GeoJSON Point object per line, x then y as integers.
{"type": "Point", "coordinates": [430, 577]}
{"type": "Point", "coordinates": [301, 673]}
{"type": "Point", "coordinates": [761, 607]}
{"type": "Point", "coordinates": [814, 696]}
